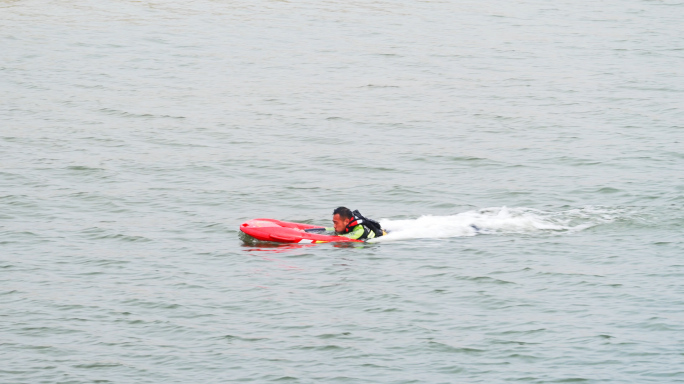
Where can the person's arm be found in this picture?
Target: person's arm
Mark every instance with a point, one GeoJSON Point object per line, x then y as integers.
{"type": "Point", "coordinates": [355, 233]}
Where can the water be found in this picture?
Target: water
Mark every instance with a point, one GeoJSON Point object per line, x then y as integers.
{"type": "Point", "coordinates": [135, 137]}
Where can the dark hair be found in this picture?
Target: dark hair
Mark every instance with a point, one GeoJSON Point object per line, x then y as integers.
{"type": "Point", "coordinates": [344, 212]}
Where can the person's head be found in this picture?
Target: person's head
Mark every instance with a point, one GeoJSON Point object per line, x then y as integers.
{"type": "Point", "coordinates": [341, 218]}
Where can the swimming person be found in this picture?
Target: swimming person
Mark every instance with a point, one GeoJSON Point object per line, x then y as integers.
{"type": "Point", "coordinates": [354, 226]}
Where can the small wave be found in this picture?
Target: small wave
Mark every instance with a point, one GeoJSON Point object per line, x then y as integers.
{"type": "Point", "coordinates": [501, 220]}
{"type": "Point", "coordinates": [120, 113]}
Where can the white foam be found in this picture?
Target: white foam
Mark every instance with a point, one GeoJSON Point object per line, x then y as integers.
{"type": "Point", "coordinates": [500, 220]}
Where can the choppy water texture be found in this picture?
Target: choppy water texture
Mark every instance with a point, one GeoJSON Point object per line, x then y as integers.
{"type": "Point", "coordinates": [135, 137]}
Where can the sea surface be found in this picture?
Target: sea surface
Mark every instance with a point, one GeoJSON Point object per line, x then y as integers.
{"type": "Point", "coordinates": [136, 136]}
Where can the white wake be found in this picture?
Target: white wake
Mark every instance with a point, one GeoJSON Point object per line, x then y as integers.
{"type": "Point", "coordinates": [501, 220]}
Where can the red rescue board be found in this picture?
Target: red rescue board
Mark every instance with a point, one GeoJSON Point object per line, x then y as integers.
{"type": "Point", "coordinates": [286, 232]}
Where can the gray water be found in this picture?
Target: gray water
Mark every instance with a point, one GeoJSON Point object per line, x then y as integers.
{"type": "Point", "coordinates": [136, 136]}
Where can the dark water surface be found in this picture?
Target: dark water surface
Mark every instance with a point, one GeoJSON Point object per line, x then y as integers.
{"type": "Point", "coordinates": [136, 136]}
